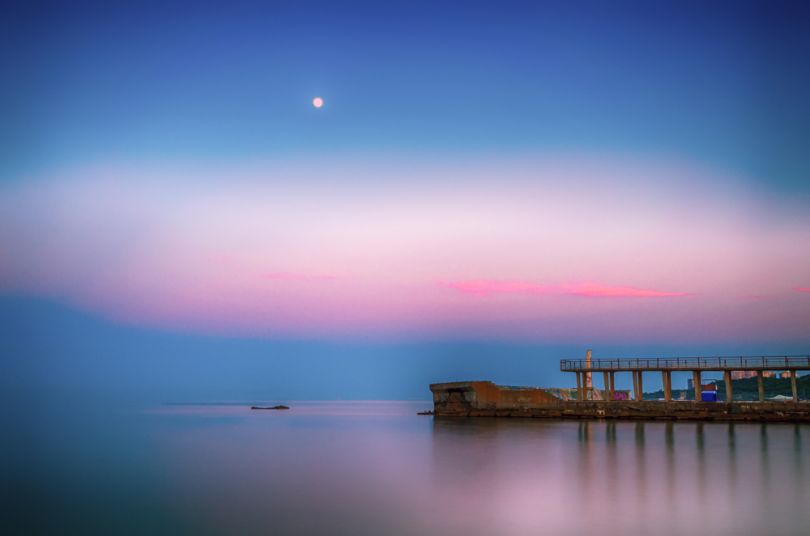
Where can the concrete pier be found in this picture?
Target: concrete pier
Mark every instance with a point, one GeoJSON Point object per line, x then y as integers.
{"type": "Point", "coordinates": [485, 399]}
{"type": "Point", "coordinates": [696, 365]}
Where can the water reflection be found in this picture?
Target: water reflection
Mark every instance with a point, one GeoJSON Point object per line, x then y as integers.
{"type": "Point", "coordinates": [669, 451]}
{"type": "Point", "coordinates": [639, 453]}
{"type": "Point", "coordinates": [377, 468]}
{"type": "Point", "coordinates": [700, 489]}
{"type": "Point", "coordinates": [613, 480]}
{"type": "Point", "coordinates": [586, 465]}
{"type": "Point", "coordinates": [662, 478]}
{"type": "Point", "coordinates": [765, 470]}
{"type": "Point", "coordinates": [798, 457]}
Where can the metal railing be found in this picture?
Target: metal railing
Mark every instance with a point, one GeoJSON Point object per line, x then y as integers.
{"type": "Point", "coordinates": [768, 362]}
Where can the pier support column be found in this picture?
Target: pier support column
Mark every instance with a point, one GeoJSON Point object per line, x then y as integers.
{"type": "Point", "coordinates": [612, 385]}
{"type": "Point", "coordinates": [696, 382]}
{"type": "Point", "coordinates": [667, 377]}
{"type": "Point", "coordinates": [635, 384]}
{"type": "Point", "coordinates": [579, 387]}
{"type": "Point", "coordinates": [793, 386]}
{"type": "Point", "coordinates": [760, 386]}
{"type": "Point", "coordinates": [588, 376]}
{"type": "Point", "coordinates": [640, 385]}
{"type": "Point", "coordinates": [729, 387]}
{"type": "Point", "coordinates": [606, 376]}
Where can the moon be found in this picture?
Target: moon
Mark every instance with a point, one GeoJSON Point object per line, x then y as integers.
{"type": "Point", "coordinates": [317, 102]}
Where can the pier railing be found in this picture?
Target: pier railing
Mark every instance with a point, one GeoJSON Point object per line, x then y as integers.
{"type": "Point", "coordinates": [715, 363]}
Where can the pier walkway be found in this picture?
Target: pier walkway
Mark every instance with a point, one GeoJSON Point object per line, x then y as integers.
{"type": "Point", "coordinates": [584, 368]}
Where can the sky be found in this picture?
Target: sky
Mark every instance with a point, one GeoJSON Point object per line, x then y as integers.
{"type": "Point", "coordinates": [485, 183]}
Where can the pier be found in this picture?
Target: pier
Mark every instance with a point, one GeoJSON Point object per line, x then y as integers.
{"type": "Point", "coordinates": [486, 399]}
{"type": "Point", "coordinates": [584, 369]}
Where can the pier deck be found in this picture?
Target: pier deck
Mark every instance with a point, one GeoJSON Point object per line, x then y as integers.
{"type": "Point", "coordinates": [584, 369]}
{"type": "Point", "coordinates": [714, 364]}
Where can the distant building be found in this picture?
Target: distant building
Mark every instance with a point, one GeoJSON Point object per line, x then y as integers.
{"type": "Point", "coordinates": [743, 374]}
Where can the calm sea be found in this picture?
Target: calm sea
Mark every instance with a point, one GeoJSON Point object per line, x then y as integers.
{"type": "Point", "coordinates": [378, 468]}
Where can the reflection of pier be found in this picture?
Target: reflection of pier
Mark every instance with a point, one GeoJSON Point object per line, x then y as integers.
{"type": "Point", "coordinates": [584, 368]}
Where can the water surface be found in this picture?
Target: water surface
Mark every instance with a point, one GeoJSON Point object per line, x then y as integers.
{"type": "Point", "coordinates": [378, 468]}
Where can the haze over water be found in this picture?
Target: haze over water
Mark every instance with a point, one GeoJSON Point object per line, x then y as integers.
{"type": "Point", "coordinates": [378, 468]}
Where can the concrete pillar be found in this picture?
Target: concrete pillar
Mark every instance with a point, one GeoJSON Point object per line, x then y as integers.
{"type": "Point", "coordinates": [640, 385]}
{"type": "Point", "coordinates": [579, 386]}
{"type": "Point", "coordinates": [729, 387]}
{"type": "Point", "coordinates": [633, 376]}
{"type": "Point", "coordinates": [667, 376]}
{"type": "Point", "coordinates": [584, 391]}
{"type": "Point", "coordinates": [606, 376]}
{"type": "Point", "coordinates": [696, 382]}
{"type": "Point", "coordinates": [793, 386]}
{"type": "Point", "coordinates": [761, 386]}
{"type": "Point", "coordinates": [588, 377]}
{"type": "Point", "coordinates": [612, 385]}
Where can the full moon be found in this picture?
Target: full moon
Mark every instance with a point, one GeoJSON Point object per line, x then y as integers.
{"type": "Point", "coordinates": [317, 102]}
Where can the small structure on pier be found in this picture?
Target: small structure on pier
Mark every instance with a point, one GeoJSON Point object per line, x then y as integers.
{"type": "Point", "coordinates": [759, 365]}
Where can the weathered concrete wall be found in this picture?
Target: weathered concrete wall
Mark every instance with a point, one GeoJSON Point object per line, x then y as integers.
{"type": "Point", "coordinates": [483, 395]}
{"type": "Point", "coordinates": [485, 399]}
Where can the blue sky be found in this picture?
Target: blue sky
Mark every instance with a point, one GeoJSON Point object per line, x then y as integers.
{"type": "Point", "coordinates": [722, 83]}
{"type": "Point", "coordinates": [132, 132]}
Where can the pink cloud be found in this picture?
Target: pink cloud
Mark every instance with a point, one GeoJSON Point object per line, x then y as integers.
{"type": "Point", "coordinates": [292, 276]}
{"type": "Point", "coordinates": [593, 290]}
{"type": "Point", "coordinates": [483, 286]}
{"type": "Point", "coordinates": [590, 290]}
{"type": "Point", "coordinates": [239, 252]}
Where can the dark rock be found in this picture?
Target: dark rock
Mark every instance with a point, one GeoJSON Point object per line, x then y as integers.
{"type": "Point", "coordinates": [280, 406]}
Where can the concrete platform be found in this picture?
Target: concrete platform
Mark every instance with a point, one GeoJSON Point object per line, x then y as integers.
{"type": "Point", "coordinates": [485, 399]}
